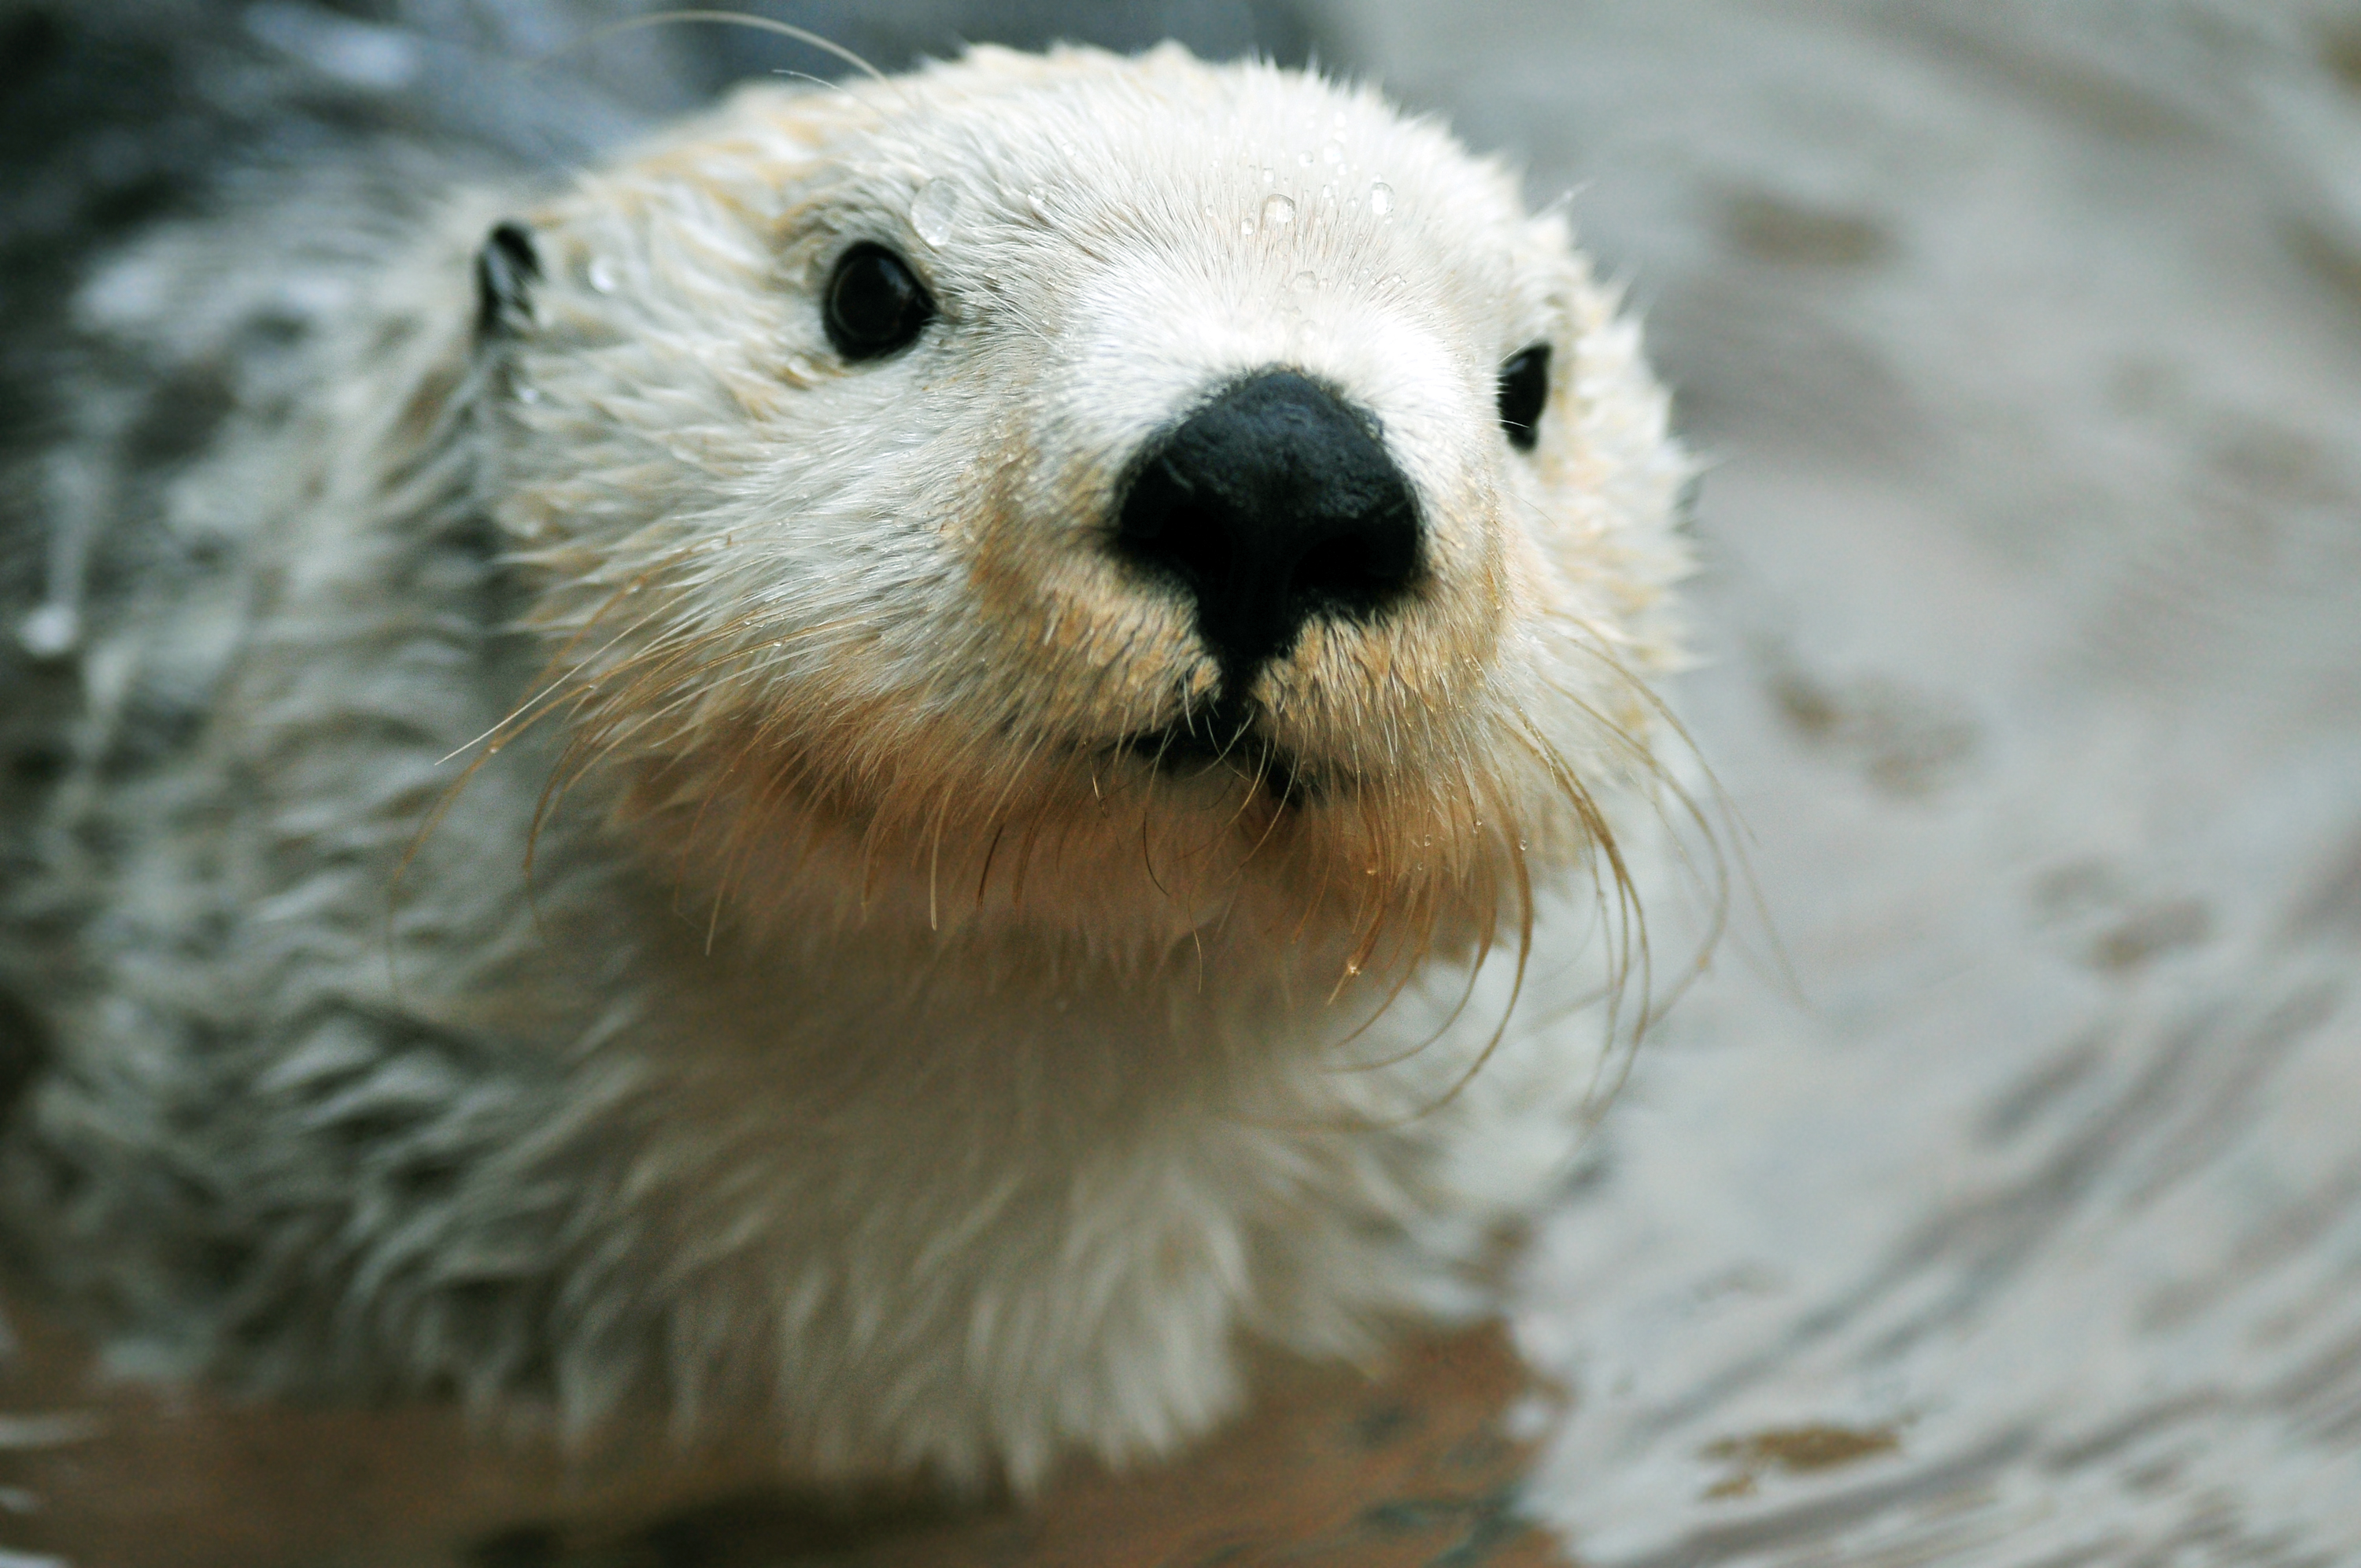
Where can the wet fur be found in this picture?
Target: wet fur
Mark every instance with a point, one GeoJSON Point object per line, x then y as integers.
{"type": "Point", "coordinates": [672, 890]}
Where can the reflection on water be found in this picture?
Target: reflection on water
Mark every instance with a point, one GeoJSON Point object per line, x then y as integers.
{"type": "Point", "coordinates": [1410, 1468]}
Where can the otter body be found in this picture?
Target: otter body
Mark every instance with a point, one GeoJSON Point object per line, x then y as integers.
{"type": "Point", "coordinates": [892, 766]}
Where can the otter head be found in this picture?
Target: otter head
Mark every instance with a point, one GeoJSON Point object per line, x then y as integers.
{"type": "Point", "coordinates": [1116, 502]}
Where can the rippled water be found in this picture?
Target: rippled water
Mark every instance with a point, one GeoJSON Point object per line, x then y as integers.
{"type": "Point", "coordinates": [2005, 1207]}
{"type": "Point", "coordinates": [2025, 1225]}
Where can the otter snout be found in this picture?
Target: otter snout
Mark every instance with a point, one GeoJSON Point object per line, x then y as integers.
{"type": "Point", "coordinates": [1273, 503]}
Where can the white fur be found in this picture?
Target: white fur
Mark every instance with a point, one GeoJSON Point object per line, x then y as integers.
{"type": "Point", "coordinates": [871, 1048]}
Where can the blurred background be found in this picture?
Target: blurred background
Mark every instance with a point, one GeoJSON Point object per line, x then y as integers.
{"type": "Point", "coordinates": [1997, 1200]}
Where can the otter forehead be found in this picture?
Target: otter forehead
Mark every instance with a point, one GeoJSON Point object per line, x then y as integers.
{"type": "Point", "coordinates": [1159, 151]}
{"type": "Point", "coordinates": [1036, 192]}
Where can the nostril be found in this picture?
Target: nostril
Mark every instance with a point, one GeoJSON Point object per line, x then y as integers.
{"type": "Point", "coordinates": [1352, 569]}
{"type": "Point", "coordinates": [1195, 543]}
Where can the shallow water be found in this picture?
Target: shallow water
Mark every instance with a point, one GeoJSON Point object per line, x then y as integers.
{"type": "Point", "coordinates": [1997, 1202]}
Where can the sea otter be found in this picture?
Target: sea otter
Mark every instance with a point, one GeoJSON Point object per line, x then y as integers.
{"type": "Point", "coordinates": [895, 765]}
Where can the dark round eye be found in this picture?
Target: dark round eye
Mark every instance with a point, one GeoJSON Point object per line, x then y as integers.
{"type": "Point", "coordinates": [875, 304]}
{"type": "Point", "coordinates": [1524, 392]}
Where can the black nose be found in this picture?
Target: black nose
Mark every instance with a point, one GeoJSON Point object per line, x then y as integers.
{"type": "Point", "coordinates": [1271, 504]}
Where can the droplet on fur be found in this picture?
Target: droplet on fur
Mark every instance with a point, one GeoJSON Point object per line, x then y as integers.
{"type": "Point", "coordinates": [801, 368]}
{"type": "Point", "coordinates": [1039, 199]}
{"type": "Point", "coordinates": [50, 631]}
{"type": "Point", "coordinates": [1246, 226]}
{"type": "Point", "coordinates": [1381, 197]}
{"type": "Point", "coordinates": [528, 394]}
{"type": "Point", "coordinates": [1333, 153]}
{"type": "Point", "coordinates": [600, 275]}
{"type": "Point", "coordinates": [1269, 176]}
{"type": "Point", "coordinates": [1303, 159]}
{"type": "Point", "coordinates": [1277, 210]}
{"type": "Point", "coordinates": [935, 212]}
{"type": "Point", "coordinates": [1305, 282]}
{"type": "Point", "coordinates": [1352, 969]}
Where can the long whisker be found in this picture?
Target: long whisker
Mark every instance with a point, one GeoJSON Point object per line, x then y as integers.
{"type": "Point", "coordinates": [724, 18]}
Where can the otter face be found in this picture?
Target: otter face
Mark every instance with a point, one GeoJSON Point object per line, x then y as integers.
{"type": "Point", "coordinates": [1119, 499]}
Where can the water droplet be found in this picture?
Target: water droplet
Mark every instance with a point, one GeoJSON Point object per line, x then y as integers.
{"type": "Point", "coordinates": [1381, 197]}
{"type": "Point", "coordinates": [1039, 199]}
{"type": "Point", "coordinates": [934, 211]}
{"type": "Point", "coordinates": [1246, 226]}
{"type": "Point", "coordinates": [1277, 210]}
{"type": "Point", "coordinates": [528, 394]}
{"type": "Point", "coordinates": [1269, 176]}
{"type": "Point", "coordinates": [801, 368]}
{"type": "Point", "coordinates": [1305, 282]}
{"type": "Point", "coordinates": [600, 275]}
{"type": "Point", "coordinates": [1333, 153]}
{"type": "Point", "coordinates": [50, 631]}
{"type": "Point", "coordinates": [1303, 159]}
{"type": "Point", "coordinates": [1352, 969]}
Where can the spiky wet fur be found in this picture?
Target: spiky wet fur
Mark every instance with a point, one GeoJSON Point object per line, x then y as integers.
{"type": "Point", "coordinates": [660, 903]}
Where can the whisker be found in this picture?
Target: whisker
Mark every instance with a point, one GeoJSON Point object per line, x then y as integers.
{"type": "Point", "coordinates": [725, 18]}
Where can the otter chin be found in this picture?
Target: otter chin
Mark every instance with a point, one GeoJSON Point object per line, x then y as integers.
{"type": "Point", "coordinates": [897, 766]}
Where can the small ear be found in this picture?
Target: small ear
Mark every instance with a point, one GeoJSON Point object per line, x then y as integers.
{"type": "Point", "coordinates": [506, 269]}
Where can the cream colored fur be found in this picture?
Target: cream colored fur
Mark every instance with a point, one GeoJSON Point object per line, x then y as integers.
{"type": "Point", "coordinates": [807, 1006]}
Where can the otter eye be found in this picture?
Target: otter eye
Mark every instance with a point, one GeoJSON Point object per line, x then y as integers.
{"type": "Point", "coordinates": [874, 304]}
{"type": "Point", "coordinates": [1524, 392]}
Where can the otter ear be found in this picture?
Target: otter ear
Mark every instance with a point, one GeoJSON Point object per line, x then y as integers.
{"type": "Point", "coordinates": [506, 269]}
